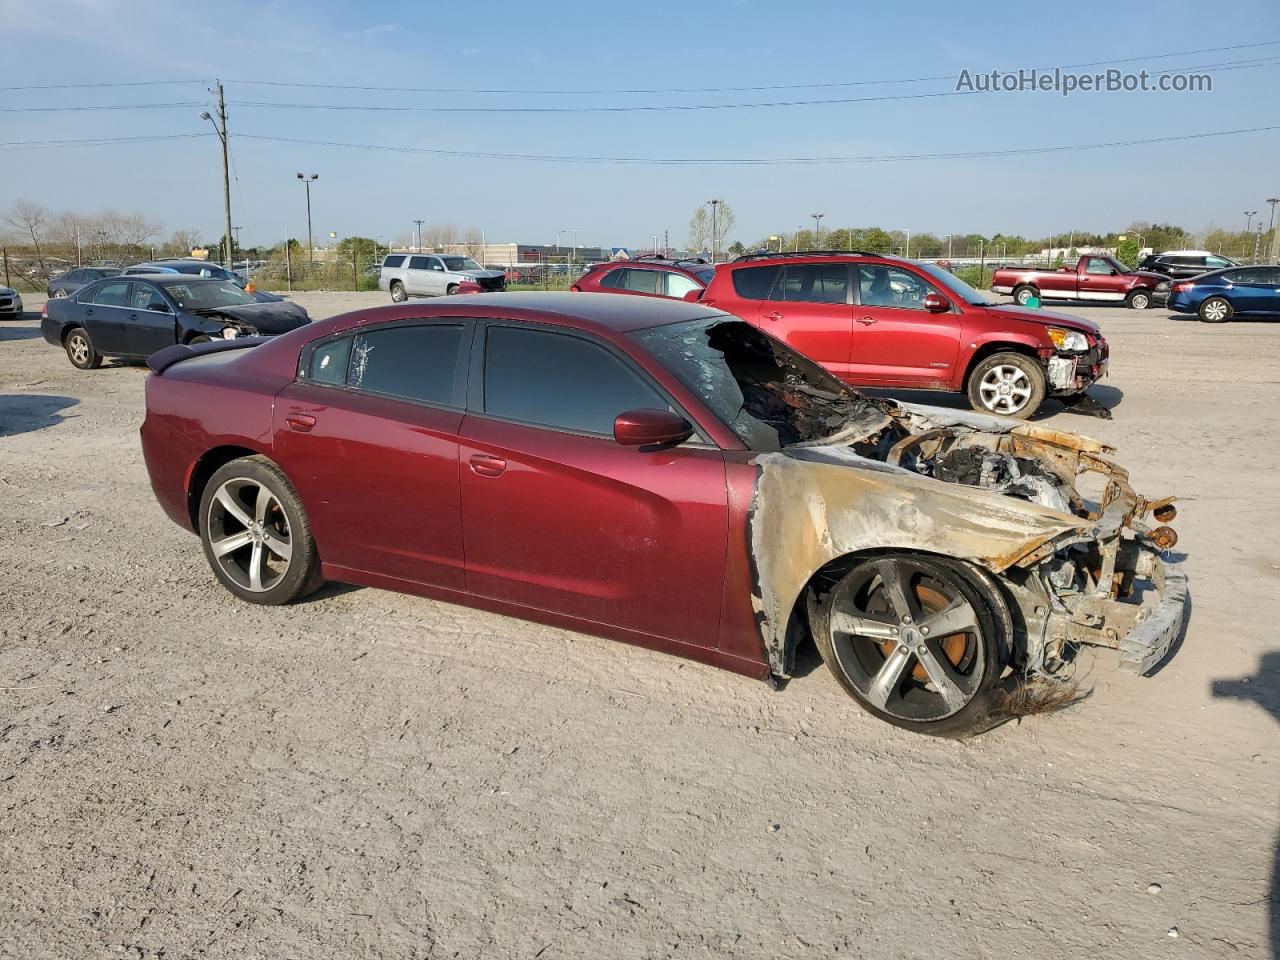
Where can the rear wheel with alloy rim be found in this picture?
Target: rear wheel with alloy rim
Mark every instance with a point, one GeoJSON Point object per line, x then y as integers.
{"type": "Point", "coordinates": [80, 350]}
{"type": "Point", "coordinates": [255, 534]}
{"type": "Point", "coordinates": [915, 640]}
{"type": "Point", "coordinates": [397, 292]}
{"type": "Point", "coordinates": [1023, 295]}
{"type": "Point", "coordinates": [1007, 384]}
{"type": "Point", "coordinates": [1216, 310]}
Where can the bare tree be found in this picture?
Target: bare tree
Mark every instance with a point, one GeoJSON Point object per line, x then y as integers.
{"type": "Point", "coordinates": [700, 230]}
{"type": "Point", "coordinates": [725, 221]}
{"type": "Point", "coordinates": [30, 217]}
{"type": "Point", "coordinates": [473, 240]}
{"type": "Point", "coordinates": [439, 235]}
{"type": "Point", "coordinates": [184, 241]}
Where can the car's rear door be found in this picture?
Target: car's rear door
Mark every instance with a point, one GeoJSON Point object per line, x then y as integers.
{"type": "Point", "coordinates": [106, 316]}
{"type": "Point", "coordinates": [559, 516]}
{"type": "Point", "coordinates": [810, 307]}
{"type": "Point", "coordinates": [896, 341]}
{"type": "Point", "coordinates": [368, 436]}
{"type": "Point", "coordinates": [1254, 290]}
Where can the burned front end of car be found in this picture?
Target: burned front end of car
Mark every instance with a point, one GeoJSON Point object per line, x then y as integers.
{"type": "Point", "coordinates": [1110, 582]}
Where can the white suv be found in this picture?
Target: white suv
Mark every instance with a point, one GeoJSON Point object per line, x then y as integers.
{"type": "Point", "coordinates": [406, 275]}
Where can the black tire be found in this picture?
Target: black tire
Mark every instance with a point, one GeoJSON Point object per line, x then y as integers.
{"type": "Point", "coordinates": [1026, 392]}
{"type": "Point", "coordinates": [1138, 299]}
{"type": "Point", "coordinates": [450, 290]}
{"type": "Point", "coordinates": [397, 292]}
{"type": "Point", "coordinates": [972, 661]}
{"type": "Point", "coordinates": [1024, 293]}
{"type": "Point", "coordinates": [233, 496]}
{"type": "Point", "coordinates": [80, 349]}
{"type": "Point", "coordinates": [1216, 310]}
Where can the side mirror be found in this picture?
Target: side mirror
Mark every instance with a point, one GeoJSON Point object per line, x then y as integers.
{"type": "Point", "coordinates": [936, 303]}
{"type": "Point", "coordinates": [159, 306]}
{"type": "Point", "coordinates": [642, 428]}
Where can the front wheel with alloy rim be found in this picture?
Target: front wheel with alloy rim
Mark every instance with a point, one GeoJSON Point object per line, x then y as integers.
{"type": "Point", "coordinates": [59, 294]}
{"type": "Point", "coordinates": [80, 350]}
{"type": "Point", "coordinates": [1138, 299]}
{"type": "Point", "coordinates": [916, 641]}
{"type": "Point", "coordinates": [1008, 385]}
{"type": "Point", "coordinates": [255, 533]}
{"type": "Point", "coordinates": [397, 292]}
{"type": "Point", "coordinates": [1216, 310]}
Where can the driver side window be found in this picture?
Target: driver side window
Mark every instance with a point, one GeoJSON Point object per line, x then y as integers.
{"type": "Point", "coordinates": [1098, 267]}
{"type": "Point", "coordinates": [884, 286]}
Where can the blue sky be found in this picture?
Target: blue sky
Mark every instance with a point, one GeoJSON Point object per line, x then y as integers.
{"type": "Point", "coordinates": [524, 46]}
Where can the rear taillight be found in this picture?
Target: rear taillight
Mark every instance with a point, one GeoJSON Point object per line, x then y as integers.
{"type": "Point", "coordinates": [44, 311]}
{"type": "Point", "coordinates": [575, 288]}
{"type": "Point", "coordinates": [1182, 287]}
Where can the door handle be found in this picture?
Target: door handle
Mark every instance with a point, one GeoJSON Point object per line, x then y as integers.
{"type": "Point", "coordinates": [867, 320]}
{"type": "Point", "coordinates": [487, 466]}
{"type": "Point", "coordinates": [301, 422]}
{"type": "Point", "coordinates": [773, 316]}
{"type": "Point", "coordinates": [88, 312]}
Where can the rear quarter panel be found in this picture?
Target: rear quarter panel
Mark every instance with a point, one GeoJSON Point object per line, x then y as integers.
{"type": "Point", "coordinates": [196, 407]}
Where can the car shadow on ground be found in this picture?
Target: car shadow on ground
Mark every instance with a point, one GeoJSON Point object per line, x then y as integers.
{"type": "Point", "coordinates": [1263, 689]}
{"type": "Point", "coordinates": [1098, 402]}
{"type": "Point", "coordinates": [19, 333]}
{"type": "Point", "coordinates": [28, 412]}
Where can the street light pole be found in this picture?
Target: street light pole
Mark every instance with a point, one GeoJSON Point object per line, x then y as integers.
{"type": "Point", "coordinates": [232, 265]}
{"type": "Point", "coordinates": [311, 249]}
{"type": "Point", "coordinates": [715, 236]}
{"type": "Point", "coordinates": [1248, 219]}
{"type": "Point", "coordinates": [1275, 245]}
{"type": "Point", "coordinates": [817, 228]}
{"type": "Point", "coordinates": [226, 168]}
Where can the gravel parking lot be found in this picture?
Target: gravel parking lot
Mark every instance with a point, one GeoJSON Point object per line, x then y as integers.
{"type": "Point", "coordinates": [367, 774]}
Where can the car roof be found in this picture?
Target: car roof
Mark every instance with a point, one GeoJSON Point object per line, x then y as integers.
{"type": "Point", "coordinates": [600, 312]}
{"type": "Point", "coordinates": [769, 258]}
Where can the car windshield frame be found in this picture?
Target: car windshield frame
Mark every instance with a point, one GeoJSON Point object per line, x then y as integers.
{"type": "Point", "coordinates": [970, 295]}
{"type": "Point", "coordinates": [215, 294]}
{"type": "Point", "coordinates": [769, 395]}
{"type": "Point", "coordinates": [455, 264]}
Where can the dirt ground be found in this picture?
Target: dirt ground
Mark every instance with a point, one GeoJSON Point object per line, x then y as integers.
{"type": "Point", "coordinates": [373, 775]}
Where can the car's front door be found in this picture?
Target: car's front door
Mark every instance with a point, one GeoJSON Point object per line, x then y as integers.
{"type": "Point", "coordinates": [896, 341]}
{"type": "Point", "coordinates": [1100, 280]}
{"type": "Point", "coordinates": [437, 277]}
{"type": "Point", "coordinates": [106, 316]}
{"type": "Point", "coordinates": [151, 320]}
{"type": "Point", "coordinates": [559, 516]}
{"type": "Point", "coordinates": [810, 308]}
{"type": "Point", "coordinates": [368, 436]}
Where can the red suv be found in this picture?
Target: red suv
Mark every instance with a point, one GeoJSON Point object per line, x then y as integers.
{"type": "Point", "coordinates": [654, 276]}
{"type": "Point", "coordinates": [882, 321]}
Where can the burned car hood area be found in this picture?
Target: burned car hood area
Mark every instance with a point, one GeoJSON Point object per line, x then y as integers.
{"type": "Point", "coordinates": [1079, 555]}
{"type": "Point", "coordinates": [269, 319]}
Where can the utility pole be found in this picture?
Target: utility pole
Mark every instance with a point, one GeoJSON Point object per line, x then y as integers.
{"type": "Point", "coordinates": [288, 265]}
{"type": "Point", "coordinates": [1275, 238]}
{"type": "Point", "coordinates": [226, 167]}
{"type": "Point", "coordinates": [418, 246]}
{"type": "Point", "coordinates": [715, 237]}
{"type": "Point", "coordinates": [311, 247]}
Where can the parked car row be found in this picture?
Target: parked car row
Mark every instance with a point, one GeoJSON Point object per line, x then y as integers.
{"type": "Point", "coordinates": [68, 283]}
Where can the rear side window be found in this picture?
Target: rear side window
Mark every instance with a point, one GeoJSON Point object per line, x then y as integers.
{"type": "Point", "coordinates": [329, 362]}
{"type": "Point", "coordinates": [111, 295]}
{"type": "Point", "coordinates": [1215, 262]}
{"type": "Point", "coordinates": [642, 281]}
{"type": "Point", "coordinates": [754, 283]}
{"type": "Point", "coordinates": [417, 263]}
{"type": "Point", "coordinates": [416, 363]}
{"type": "Point", "coordinates": [395, 261]}
{"type": "Point", "coordinates": [1250, 275]}
{"type": "Point", "coordinates": [611, 278]}
{"type": "Point", "coordinates": [814, 283]}
{"type": "Point", "coordinates": [559, 381]}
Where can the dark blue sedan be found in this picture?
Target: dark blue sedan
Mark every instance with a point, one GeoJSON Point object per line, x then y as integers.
{"type": "Point", "coordinates": [1238, 291]}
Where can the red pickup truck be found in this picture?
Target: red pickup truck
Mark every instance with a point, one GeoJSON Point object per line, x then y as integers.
{"type": "Point", "coordinates": [1096, 278]}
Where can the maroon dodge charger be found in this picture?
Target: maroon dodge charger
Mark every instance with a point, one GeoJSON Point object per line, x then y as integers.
{"type": "Point", "coordinates": [662, 473]}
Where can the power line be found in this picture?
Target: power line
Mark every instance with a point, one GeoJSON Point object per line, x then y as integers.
{"type": "Point", "coordinates": [103, 106]}
{"type": "Point", "coordinates": [743, 89]}
{"type": "Point", "coordinates": [118, 83]}
{"type": "Point", "coordinates": [96, 141]}
{"type": "Point", "coordinates": [762, 161]}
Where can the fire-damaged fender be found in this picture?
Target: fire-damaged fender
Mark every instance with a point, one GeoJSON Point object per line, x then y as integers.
{"type": "Point", "coordinates": [816, 504]}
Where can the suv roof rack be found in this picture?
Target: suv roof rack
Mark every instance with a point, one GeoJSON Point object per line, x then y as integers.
{"type": "Point", "coordinates": [665, 259]}
{"type": "Point", "coordinates": [766, 255]}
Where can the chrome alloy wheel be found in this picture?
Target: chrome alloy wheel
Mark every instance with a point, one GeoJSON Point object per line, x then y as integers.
{"type": "Point", "coordinates": [909, 642]}
{"type": "Point", "coordinates": [1005, 389]}
{"type": "Point", "coordinates": [1215, 310]}
{"type": "Point", "coordinates": [78, 347]}
{"type": "Point", "coordinates": [249, 534]}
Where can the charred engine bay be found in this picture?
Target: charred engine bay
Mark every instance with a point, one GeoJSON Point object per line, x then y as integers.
{"type": "Point", "coordinates": [808, 407]}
